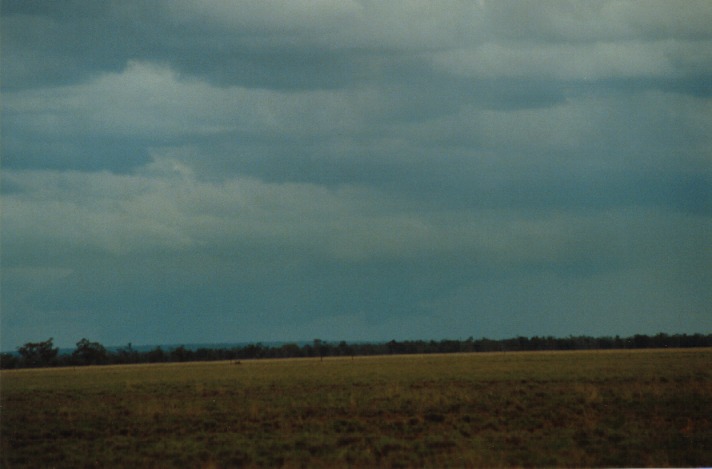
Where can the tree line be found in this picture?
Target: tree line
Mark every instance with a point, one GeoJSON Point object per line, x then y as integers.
{"type": "Point", "coordinates": [45, 354]}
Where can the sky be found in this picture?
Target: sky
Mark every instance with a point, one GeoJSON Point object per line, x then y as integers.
{"type": "Point", "coordinates": [181, 171]}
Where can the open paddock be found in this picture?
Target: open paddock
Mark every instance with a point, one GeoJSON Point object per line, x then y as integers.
{"type": "Point", "coordinates": [600, 408]}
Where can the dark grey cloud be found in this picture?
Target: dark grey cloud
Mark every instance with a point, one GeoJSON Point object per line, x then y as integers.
{"type": "Point", "coordinates": [295, 45]}
{"type": "Point", "coordinates": [177, 172]}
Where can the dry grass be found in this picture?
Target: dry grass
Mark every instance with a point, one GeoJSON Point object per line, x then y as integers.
{"type": "Point", "coordinates": [615, 408]}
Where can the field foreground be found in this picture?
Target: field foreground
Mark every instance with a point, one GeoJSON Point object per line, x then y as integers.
{"type": "Point", "coordinates": [604, 408]}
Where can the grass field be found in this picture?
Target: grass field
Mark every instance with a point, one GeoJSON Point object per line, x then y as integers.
{"type": "Point", "coordinates": [607, 408]}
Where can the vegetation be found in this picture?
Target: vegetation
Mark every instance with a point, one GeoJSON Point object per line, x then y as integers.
{"type": "Point", "coordinates": [93, 353]}
{"type": "Point", "coordinates": [593, 408]}
{"type": "Point", "coordinates": [38, 353]}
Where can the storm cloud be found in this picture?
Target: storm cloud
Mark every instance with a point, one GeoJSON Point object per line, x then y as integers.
{"type": "Point", "coordinates": [178, 172]}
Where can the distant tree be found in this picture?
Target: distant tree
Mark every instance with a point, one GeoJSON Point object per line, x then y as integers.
{"type": "Point", "coordinates": [38, 353]}
{"type": "Point", "coordinates": [344, 349]}
{"type": "Point", "coordinates": [449, 346]}
{"type": "Point", "coordinates": [126, 355]}
{"type": "Point", "coordinates": [468, 345]}
{"type": "Point", "coordinates": [319, 348]}
{"type": "Point", "coordinates": [393, 347]}
{"type": "Point", "coordinates": [90, 353]}
{"type": "Point", "coordinates": [290, 350]}
{"type": "Point", "coordinates": [205, 354]}
{"type": "Point", "coordinates": [253, 351]}
{"type": "Point", "coordinates": [181, 354]}
{"type": "Point", "coordinates": [641, 341]}
{"type": "Point", "coordinates": [156, 355]}
{"type": "Point", "coordinates": [8, 361]}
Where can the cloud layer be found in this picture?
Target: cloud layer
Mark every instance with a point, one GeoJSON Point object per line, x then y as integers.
{"type": "Point", "coordinates": [354, 170]}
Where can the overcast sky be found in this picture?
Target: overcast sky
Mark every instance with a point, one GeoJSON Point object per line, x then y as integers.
{"type": "Point", "coordinates": [226, 171]}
